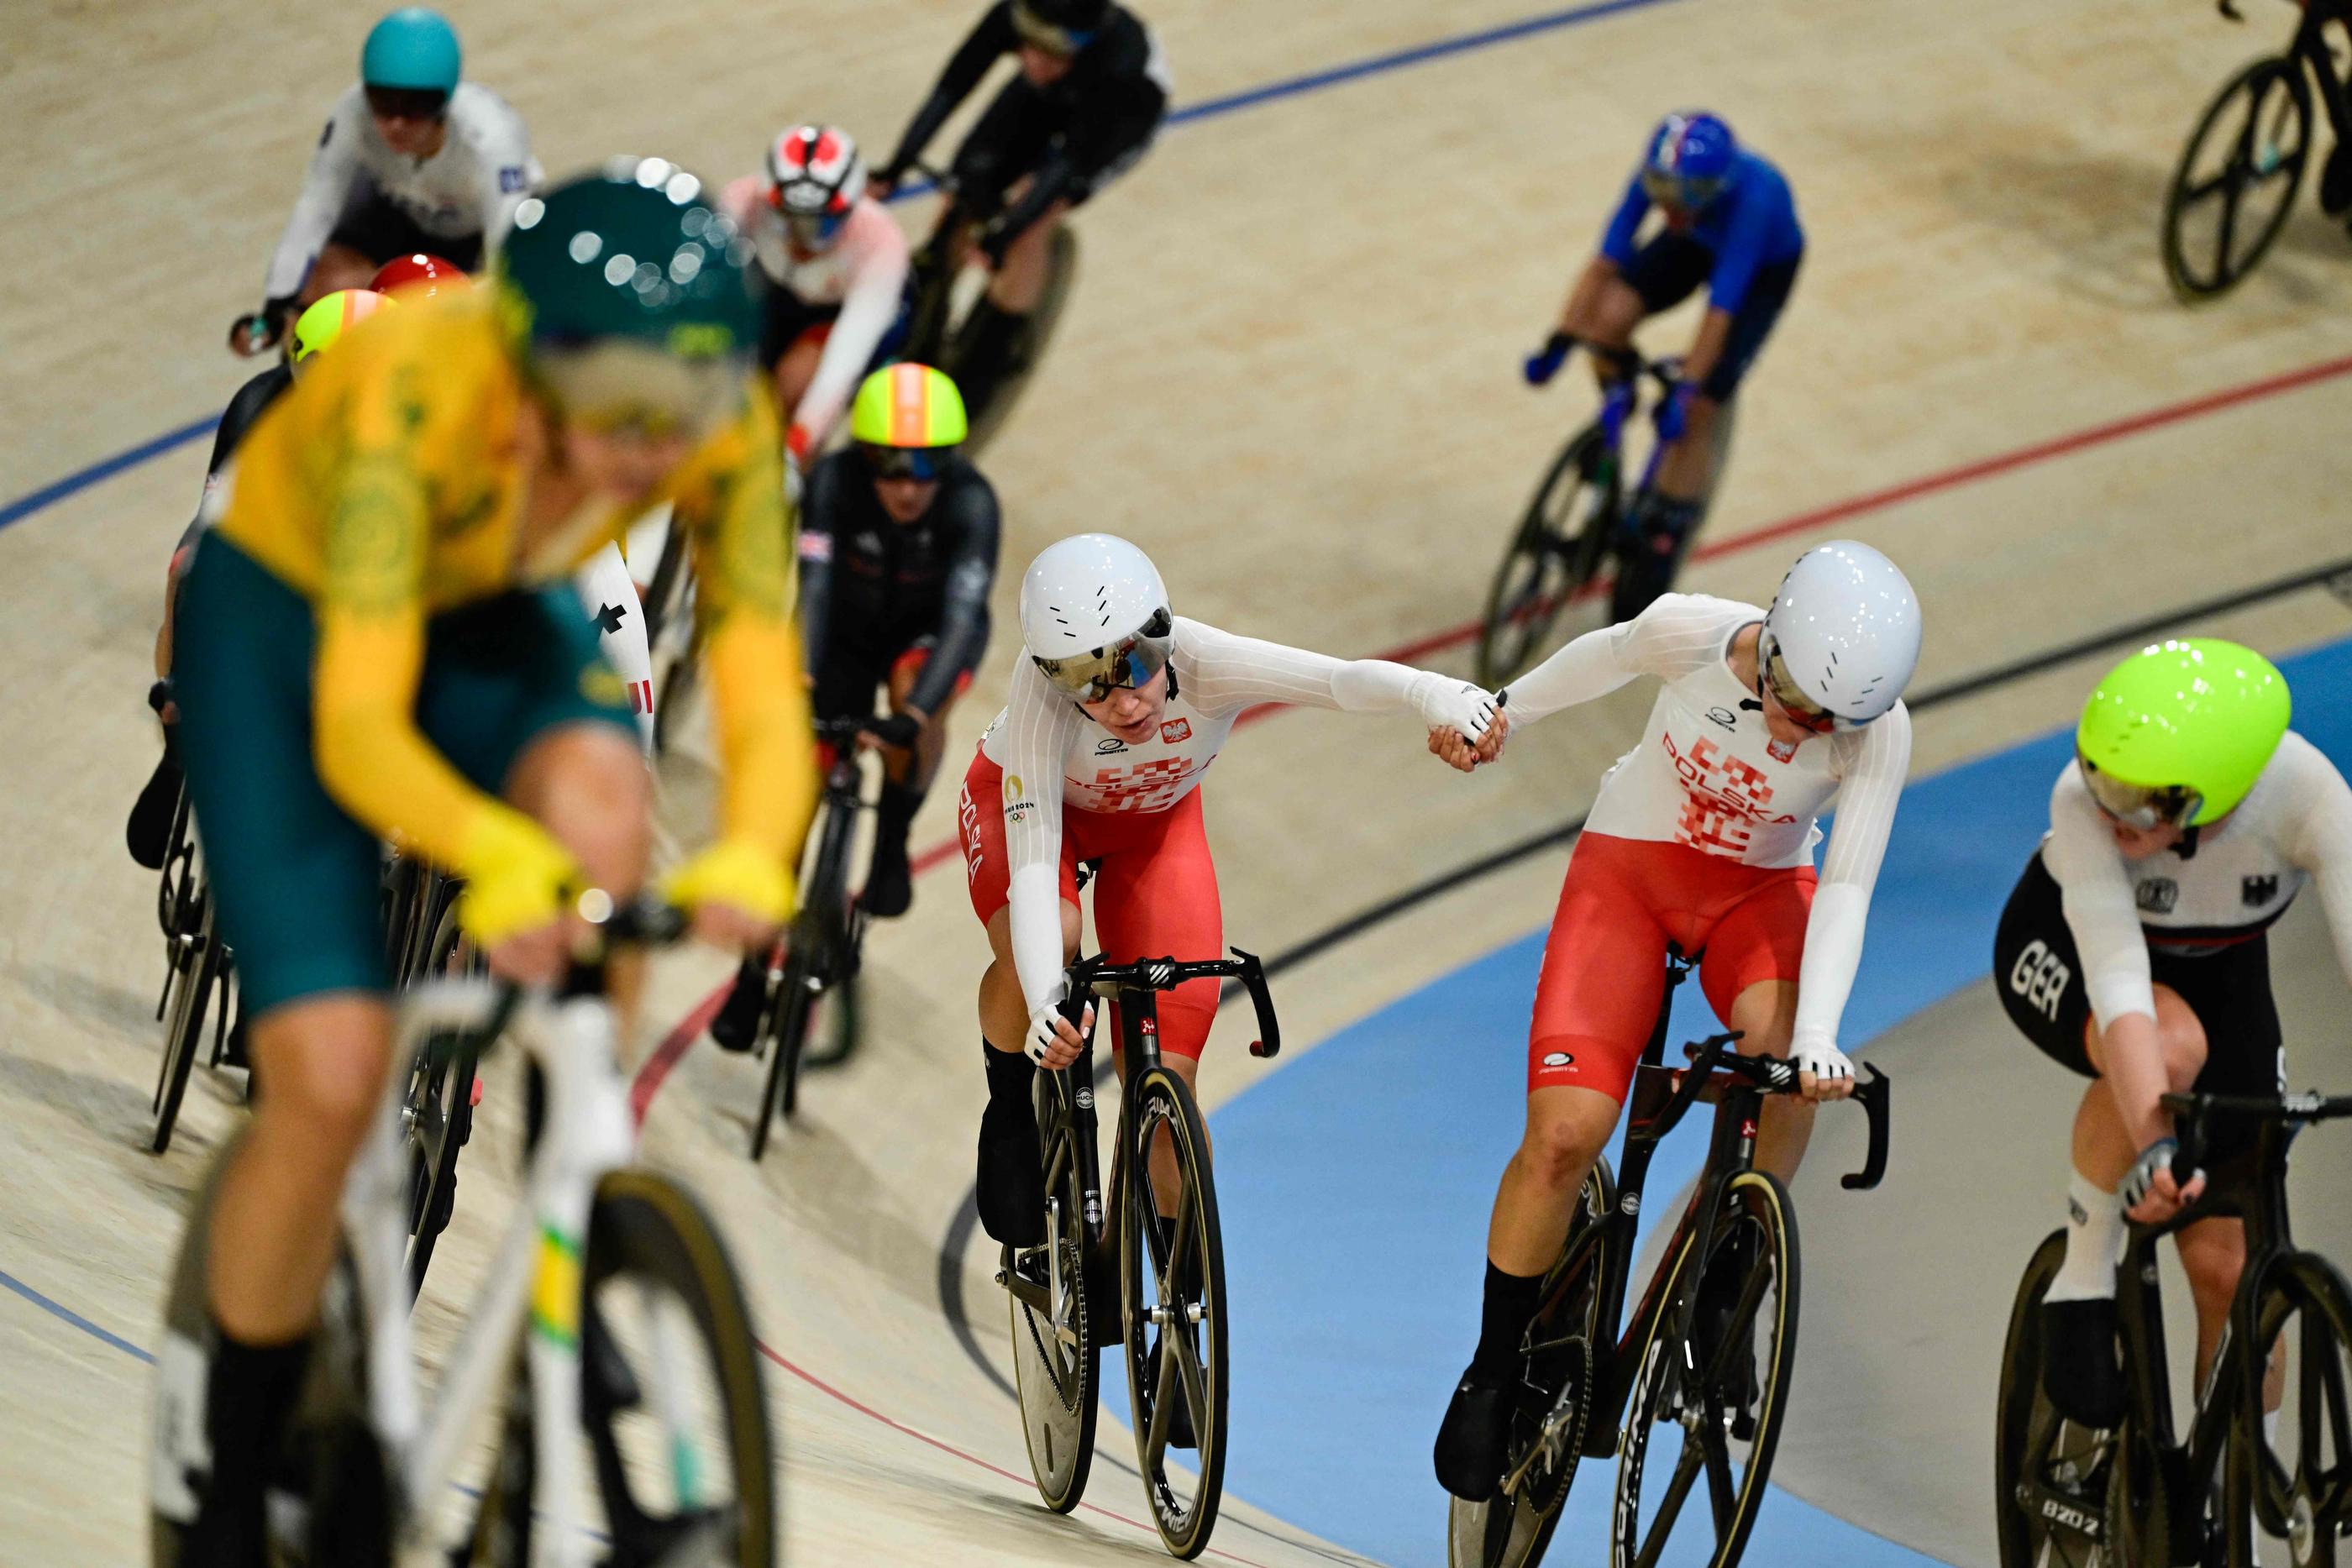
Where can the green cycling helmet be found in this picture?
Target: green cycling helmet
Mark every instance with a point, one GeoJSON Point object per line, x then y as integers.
{"type": "Point", "coordinates": [626, 299]}
{"type": "Point", "coordinates": [2177, 733]}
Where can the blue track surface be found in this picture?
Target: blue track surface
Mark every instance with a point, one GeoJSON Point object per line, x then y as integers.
{"type": "Point", "coordinates": [1355, 1183]}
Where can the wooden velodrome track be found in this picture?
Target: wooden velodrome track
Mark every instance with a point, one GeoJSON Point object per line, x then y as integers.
{"type": "Point", "coordinates": [1290, 370]}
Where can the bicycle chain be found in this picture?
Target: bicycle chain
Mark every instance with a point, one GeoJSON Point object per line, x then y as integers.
{"type": "Point", "coordinates": [1069, 1396]}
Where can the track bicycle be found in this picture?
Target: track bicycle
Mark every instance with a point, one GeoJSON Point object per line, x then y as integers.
{"type": "Point", "coordinates": [1161, 1284]}
{"type": "Point", "coordinates": [1710, 1349]}
{"type": "Point", "coordinates": [199, 971]}
{"type": "Point", "coordinates": [611, 1339]}
{"type": "Point", "coordinates": [812, 973]}
{"type": "Point", "coordinates": [2139, 1496]}
{"type": "Point", "coordinates": [2236, 180]}
{"type": "Point", "coordinates": [1578, 524]}
{"type": "Point", "coordinates": [948, 278]}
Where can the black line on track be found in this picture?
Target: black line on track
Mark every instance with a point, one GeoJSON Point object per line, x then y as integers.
{"type": "Point", "coordinates": [2335, 575]}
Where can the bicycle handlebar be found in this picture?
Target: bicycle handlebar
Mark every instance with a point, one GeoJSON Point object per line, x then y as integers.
{"type": "Point", "coordinates": [2200, 1109]}
{"type": "Point", "coordinates": [1633, 363]}
{"type": "Point", "coordinates": [1166, 974]}
{"type": "Point", "coordinates": [1774, 1076]}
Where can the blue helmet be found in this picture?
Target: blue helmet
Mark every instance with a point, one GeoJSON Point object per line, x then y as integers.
{"type": "Point", "coordinates": [1690, 161]}
{"type": "Point", "coordinates": [412, 48]}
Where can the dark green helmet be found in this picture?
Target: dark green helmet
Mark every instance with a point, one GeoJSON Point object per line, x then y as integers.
{"type": "Point", "coordinates": [627, 297]}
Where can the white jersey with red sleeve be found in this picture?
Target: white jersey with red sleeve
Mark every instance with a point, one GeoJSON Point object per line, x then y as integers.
{"type": "Point", "coordinates": [1707, 773]}
{"type": "Point", "coordinates": [864, 273]}
{"type": "Point", "coordinates": [1053, 756]}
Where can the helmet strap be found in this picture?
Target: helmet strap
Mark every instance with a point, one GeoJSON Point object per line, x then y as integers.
{"type": "Point", "coordinates": [2186, 848]}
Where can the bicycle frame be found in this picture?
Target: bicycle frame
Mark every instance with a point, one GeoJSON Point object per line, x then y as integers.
{"type": "Point", "coordinates": [2309, 45]}
{"type": "Point", "coordinates": [535, 1277]}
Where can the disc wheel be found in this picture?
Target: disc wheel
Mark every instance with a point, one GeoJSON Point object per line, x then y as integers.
{"type": "Point", "coordinates": [1175, 1319]}
{"type": "Point", "coordinates": [673, 1416]}
{"type": "Point", "coordinates": [1056, 1359]}
{"type": "Point", "coordinates": [1512, 1529]}
{"type": "Point", "coordinates": [1698, 1444]}
{"type": "Point", "coordinates": [2236, 180]}
{"type": "Point", "coordinates": [2293, 1487]}
{"type": "Point", "coordinates": [2049, 1473]}
{"type": "Point", "coordinates": [2138, 1514]}
{"type": "Point", "coordinates": [1555, 552]}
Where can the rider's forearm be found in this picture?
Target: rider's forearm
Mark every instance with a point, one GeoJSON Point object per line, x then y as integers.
{"type": "Point", "coordinates": [1707, 349]}
{"type": "Point", "coordinates": [1832, 956]}
{"type": "Point", "coordinates": [2135, 1071]}
{"type": "Point", "coordinates": [1587, 667]}
{"type": "Point", "coordinates": [1056, 179]}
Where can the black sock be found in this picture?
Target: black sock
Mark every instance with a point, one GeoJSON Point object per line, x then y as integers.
{"type": "Point", "coordinates": [248, 1399]}
{"type": "Point", "coordinates": [1012, 1077]}
{"type": "Point", "coordinates": [1503, 1321]}
{"type": "Point", "coordinates": [894, 814]}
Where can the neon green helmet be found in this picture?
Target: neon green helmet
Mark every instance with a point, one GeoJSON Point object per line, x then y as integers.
{"type": "Point", "coordinates": [908, 418]}
{"type": "Point", "coordinates": [624, 295]}
{"type": "Point", "coordinates": [2177, 733]}
{"type": "Point", "coordinates": [317, 329]}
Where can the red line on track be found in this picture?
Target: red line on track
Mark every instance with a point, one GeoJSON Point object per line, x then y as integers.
{"type": "Point", "coordinates": [822, 1387]}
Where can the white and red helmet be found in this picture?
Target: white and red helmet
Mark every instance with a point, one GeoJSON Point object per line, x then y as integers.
{"type": "Point", "coordinates": [815, 176]}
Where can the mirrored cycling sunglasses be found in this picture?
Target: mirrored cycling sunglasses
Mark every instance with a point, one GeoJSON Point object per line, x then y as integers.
{"type": "Point", "coordinates": [1678, 191]}
{"type": "Point", "coordinates": [407, 102]}
{"type": "Point", "coordinates": [923, 464]}
{"type": "Point", "coordinates": [1038, 33]}
{"type": "Point", "coordinates": [1773, 672]}
{"type": "Point", "coordinates": [1129, 662]}
{"type": "Point", "coordinates": [2142, 807]}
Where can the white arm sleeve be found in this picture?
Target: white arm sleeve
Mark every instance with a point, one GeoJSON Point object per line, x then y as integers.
{"type": "Point", "coordinates": [2096, 893]}
{"type": "Point", "coordinates": [1678, 633]}
{"type": "Point", "coordinates": [1873, 763]}
{"type": "Point", "coordinates": [1224, 673]}
{"type": "Point", "coordinates": [1039, 726]}
{"type": "Point", "coordinates": [510, 173]}
{"type": "Point", "coordinates": [334, 168]}
{"type": "Point", "coordinates": [2319, 836]}
{"type": "Point", "coordinates": [608, 595]}
{"type": "Point", "coordinates": [877, 279]}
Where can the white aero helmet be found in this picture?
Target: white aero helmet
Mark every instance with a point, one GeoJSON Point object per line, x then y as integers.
{"type": "Point", "coordinates": [1095, 615]}
{"type": "Point", "coordinates": [1841, 638]}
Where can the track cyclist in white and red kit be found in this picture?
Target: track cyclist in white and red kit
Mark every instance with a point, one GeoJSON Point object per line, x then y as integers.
{"type": "Point", "coordinates": [1118, 708]}
{"type": "Point", "coordinates": [835, 264]}
{"type": "Point", "coordinates": [1703, 836]}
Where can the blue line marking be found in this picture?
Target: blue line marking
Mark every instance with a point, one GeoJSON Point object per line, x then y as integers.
{"type": "Point", "coordinates": [1355, 1183]}
{"type": "Point", "coordinates": [1292, 87]}
{"type": "Point", "coordinates": [60, 1309]}
{"type": "Point", "coordinates": [106, 468]}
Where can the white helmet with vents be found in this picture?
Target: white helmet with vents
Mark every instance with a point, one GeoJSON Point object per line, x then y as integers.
{"type": "Point", "coordinates": [1842, 636]}
{"type": "Point", "coordinates": [1095, 615]}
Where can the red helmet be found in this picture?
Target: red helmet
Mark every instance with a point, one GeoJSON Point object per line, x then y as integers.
{"type": "Point", "coordinates": [426, 274]}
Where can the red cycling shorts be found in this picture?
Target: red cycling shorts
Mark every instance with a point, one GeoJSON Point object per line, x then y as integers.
{"type": "Point", "coordinates": [1155, 894]}
{"type": "Point", "coordinates": [1604, 965]}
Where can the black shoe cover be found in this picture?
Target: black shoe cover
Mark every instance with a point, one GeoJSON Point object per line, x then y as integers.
{"type": "Point", "coordinates": [1470, 1443]}
{"type": "Point", "coordinates": [2079, 1369]}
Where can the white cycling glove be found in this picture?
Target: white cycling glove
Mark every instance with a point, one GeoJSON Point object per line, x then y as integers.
{"type": "Point", "coordinates": [1443, 702]}
{"type": "Point", "coordinates": [1822, 1059]}
{"type": "Point", "coordinates": [1042, 1037]}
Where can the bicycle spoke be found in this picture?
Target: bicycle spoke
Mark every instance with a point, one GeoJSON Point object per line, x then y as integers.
{"type": "Point", "coordinates": [1176, 1344]}
{"type": "Point", "coordinates": [1180, 1251]}
{"type": "Point", "coordinates": [1720, 1490]}
{"type": "Point", "coordinates": [1687, 1469]}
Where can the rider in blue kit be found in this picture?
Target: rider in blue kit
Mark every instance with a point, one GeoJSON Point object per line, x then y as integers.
{"type": "Point", "coordinates": [1731, 223]}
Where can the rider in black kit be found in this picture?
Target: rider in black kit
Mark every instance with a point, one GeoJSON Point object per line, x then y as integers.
{"type": "Point", "coordinates": [898, 552]}
{"type": "Point", "coordinates": [1090, 96]}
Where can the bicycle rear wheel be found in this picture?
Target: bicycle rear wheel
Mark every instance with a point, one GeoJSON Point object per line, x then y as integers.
{"type": "Point", "coordinates": [2236, 180]}
{"type": "Point", "coordinates": [1558, 548]}
{"type": "Point", "coordinates": [674, 1421]}
{"type": "Point", "coordinates": [1725, 1416]}
{"type": "Point", "coordinates": [184, 1027]}
{"type": "Point", "coordinates": [1512, 1529]}
{"type": "Point", "coordinates": [2049, 1473]}
{"type": "Point", "coordinates": [440, 1112]}
{"type": "Point", "coordinates": [1056, 1359]}
{"type": "Point", "coordinates": [1174, 1284]}
{"type": "Point", "coordinates": [2295, 1485]}
{"type": "Point", "coordinates": [1061, 275]}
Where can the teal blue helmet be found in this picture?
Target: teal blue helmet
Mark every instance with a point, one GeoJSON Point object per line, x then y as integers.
{"type": "Point", "coordinates": [627, 297]}
{"type": "Point", "coordinates": [413, 50]}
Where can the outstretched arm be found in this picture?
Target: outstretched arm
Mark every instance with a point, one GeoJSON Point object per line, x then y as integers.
{"type": "Point", "coordinates": [1230, 672]}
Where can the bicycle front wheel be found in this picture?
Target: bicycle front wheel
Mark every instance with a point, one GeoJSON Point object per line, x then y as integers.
{"type": "Point", "coordinates": [2236, 180]}
{"type": "Point", "coordinates": [1701, 1427]}
{"type": "Point", "coordinates": [1556, 550]}
{"type": "Point", "coordinates": [674, 1418]}
{"type": "Point", "coordinates": [1174, 1274]}
{"type": "Point", "coordinates": [2289, 1480]}
{"type": "Point", "coordinates": [184, 1027]}
{"type": "Point", "coordinates": [1056, 1359]}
